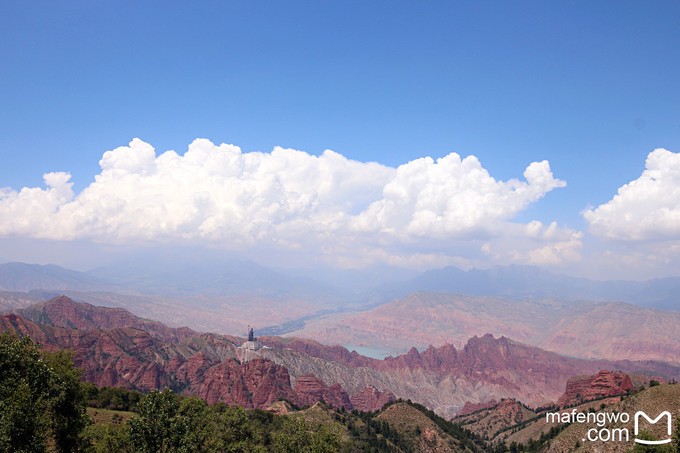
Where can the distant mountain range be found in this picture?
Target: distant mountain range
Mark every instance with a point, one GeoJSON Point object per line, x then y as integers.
{"type": "Point", "coordinates": [27, 277]}
{"type": "Point", "coordinates": [227, 294]}
{"type": "Point", "coordinates": [342, 287]}
{"type": "Point", "coordinates": [224, 297]}
{"type": "Point", "coordinates": [533, 282]}
{"type": "Point", "coordinates": [215, 279]}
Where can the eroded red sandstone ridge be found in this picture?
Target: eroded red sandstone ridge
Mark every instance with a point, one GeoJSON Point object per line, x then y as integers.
{"type": "Point", "coordinates": [586, 388]}
{"type": "Point", "coordinates": [207, 365]}
{"type": "Point", "coordinates": [371, 399]}
{"type": "Point", "coordinates": [202, 365]}
{"type": "Point", "coordinates": [309, 390]}
{"type": "Point", "coordinates": [64, 312]}
{"type": "Point", "coordinates": [258, 383]}
{"type": "Point", "coordinates": [507, 369]}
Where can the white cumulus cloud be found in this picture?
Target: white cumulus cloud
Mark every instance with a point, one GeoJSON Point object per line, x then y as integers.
{"type": "Point", "coordinates": [289, 200]}
{"type": "Point", "coordinates": [451, 197]}
{"type": "Point", "coordinates": [647, 208]}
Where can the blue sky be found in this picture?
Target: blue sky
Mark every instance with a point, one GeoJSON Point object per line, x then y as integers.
{"type": "Point", "coordinates": [593, 88]}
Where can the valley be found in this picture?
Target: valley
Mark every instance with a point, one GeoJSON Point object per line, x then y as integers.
{"type": "Point", "coordinates": [492, 364]}
{"type": "Point", "coordinates": [620, 321]}
{"type": "Point", "coordinates": [608, 330]}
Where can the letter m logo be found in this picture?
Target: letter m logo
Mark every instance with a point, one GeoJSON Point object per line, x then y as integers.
{"type": "Point", "coordinates": [666, 414]}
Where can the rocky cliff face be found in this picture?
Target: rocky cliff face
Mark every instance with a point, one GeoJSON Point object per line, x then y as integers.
{"type": "Point", "coordinates": [113, 357]}
{"type": "Point", "coordinates": [313, 348]}
{"type": "Point", "coordinates": [371, 399]}
{"type": "Point", "coordinates": [586, 388]}
{"type": "Point", "coordinates": [445, 378]}
{"type": "Point", "coordinates": [256, 384]}
{"type": "Point", "coordinates": [203, 366]}
{"type": "Point", "coordinates": [309, 390]}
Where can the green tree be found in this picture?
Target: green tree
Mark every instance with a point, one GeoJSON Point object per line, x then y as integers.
{"type": "Point", "coordinates": [67, 401]}
{"type": "Point", "coordinates": [115, 398]}
{"type": "Point", "coordinates": [108, 438]}
{"type": "Point", "coordinates": [154, 429]}
{"type": "Point", "coordinates": [234, 432]}
{"type": "Point", "coordinates": [24, 395]}
{"type": "Point", "coordinates": [169, 423]}
{"type": "Point", "coordinates": [298, 436]}
{"type": "Point", "coordinates": [40, 398]}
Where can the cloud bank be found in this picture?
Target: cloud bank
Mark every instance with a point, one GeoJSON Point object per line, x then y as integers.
{"type": "Point", "coordinates": [289, 200]}
{"type": "Point", "coordinates": [646, 209]}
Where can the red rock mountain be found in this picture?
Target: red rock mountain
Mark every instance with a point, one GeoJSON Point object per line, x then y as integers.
{"type": "Point", "coordinates": [587, 388]}
{"type": "Point", "coordinates": [202, 365]}
{"type": "Point", "coordinates": [492, 360]}
{"type": "Point", "coordinates": [445, 378]}
{"type": "Point", "coordinates": [206, 365]}
{"type": "Point", "coordinates": [309, 390]}
{"type": "Point", "coordinates": [122, 356]}
{"type": "Point", "coordinates": [258, 383]}
{"type": "Point", "coordinates": [64, 312]}
{"type": "Point", "coordinates": [371, 399]}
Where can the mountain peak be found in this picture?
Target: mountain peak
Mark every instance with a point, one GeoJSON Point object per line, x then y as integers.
{"type": "Point", "coordinates": [62, 311]}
